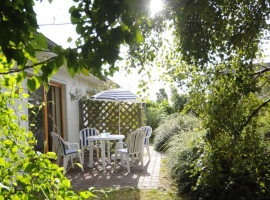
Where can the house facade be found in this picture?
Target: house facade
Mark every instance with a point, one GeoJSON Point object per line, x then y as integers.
{"type": "Point", "coordinates": [54, 109]}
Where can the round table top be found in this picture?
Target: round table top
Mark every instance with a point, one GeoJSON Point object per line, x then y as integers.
{"type": "Point", "coordinates": [110, 137]}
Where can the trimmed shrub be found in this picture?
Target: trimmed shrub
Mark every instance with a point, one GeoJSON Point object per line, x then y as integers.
{"type": "Point", "coordinates": [172, 125]}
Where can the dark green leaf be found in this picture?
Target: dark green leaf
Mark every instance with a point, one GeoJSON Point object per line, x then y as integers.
{"type": "Point", "coordinates": [59, 61]}
{"type": "Point", "coordinates": [33, 83]}
{"type": "Point", "coordinates": [57, 49]}
{"type": "Point", "coordinates": [28, 167]}
{"type": "Point", "coordinates": [41, 41]}
{"type": "Point", "coordinates": [30, 50]}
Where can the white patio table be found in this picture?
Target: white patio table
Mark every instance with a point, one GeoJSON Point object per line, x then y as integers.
{"type": "Point", "coordinates": [103, 140]}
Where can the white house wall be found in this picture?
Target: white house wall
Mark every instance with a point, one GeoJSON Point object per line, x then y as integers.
{"type": "Point", "coordinates": [71, 107]}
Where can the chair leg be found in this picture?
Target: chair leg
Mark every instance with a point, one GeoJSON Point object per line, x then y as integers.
{"type": "Point", "coordinates": [71, 160]}
{"type": "Point", "coordinates": [115, 160]}
{"type": "Point", "coordinates": [114, 166]}
{"type": "Point", "coordinates": [148, 151]}
{"type": "Point", "coordinates": [83, 155]}
{"type": "Point", "coordinates": [80, 159]}
{"type": "Point", "coordinates": [58, 160]}
{"type": "Point", "coordinates": [66, 157]}
{"type": "Point", "coordinates": [127, 162]}
{"type": "Point", "coordinates": [141, 158]}
{"type": "Point", "coordinates": [132, 160]}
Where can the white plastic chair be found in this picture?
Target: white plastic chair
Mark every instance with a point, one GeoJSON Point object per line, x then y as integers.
{"type": "Point", "coordinates": [64, 149]}
{"type": "Point", "coordinates": [148, 131]}
{"type": "Point", "coordinates": [134, 145]}
{"type": "Point", "coordinates": [39, 135]}
{"type": "Point", "coordinates": [84, 133]}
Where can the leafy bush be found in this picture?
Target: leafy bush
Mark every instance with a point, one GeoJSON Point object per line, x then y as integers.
{"type": "Point", "coordinates": [178, 100]}
{"type": "Point", "coordinates": [167, 107]}
{"type": "Point", "coordinates": [264, 124]}
{"type": "Point", "coordinates": [155, 114]}
{"type": "Point", "coordinates": [172, 125]}
{"type": "Point", "coordinates": [243, 175]}
{"type": "Point", "coordinates": [24, 173]}
{"type": "Point", "coordinates": [185, 149]}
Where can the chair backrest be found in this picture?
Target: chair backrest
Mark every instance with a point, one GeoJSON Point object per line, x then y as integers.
{"type": "Point", "coordinates": [148, 130]}
{"type": "Point", "coordinates": [39, 135]}
{"type": "Point", "coordinates": [84, 133]}
{"type": "Point", "coordinates": [135, 141]}
{"type": "Point", "coordinates": [59, 143]}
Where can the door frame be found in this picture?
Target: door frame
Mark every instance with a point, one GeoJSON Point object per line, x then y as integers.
{"type": "Point", "coordinates": [45, 112]}
{"type": "Point", "coordinates": [46, 117]}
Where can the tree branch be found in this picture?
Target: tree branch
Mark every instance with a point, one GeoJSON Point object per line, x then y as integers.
{"type": "Point", "coordinates": [257, 74]}
{"type": "Point", "coordinates": [253, 114]}
{"type": "Point", "coordinates": [41, 50]}
{"type": "Point", "coordinates": [27, 67]}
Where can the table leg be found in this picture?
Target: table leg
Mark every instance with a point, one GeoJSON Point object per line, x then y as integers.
{"type": "Point", "coordinates": [121, 155]}
{"type": "Point", "coordinates": [91, 153]}
{"type": "Point", "coordinates": [103, 143]}
{"type": "Point", "coordinates": [108, 152]}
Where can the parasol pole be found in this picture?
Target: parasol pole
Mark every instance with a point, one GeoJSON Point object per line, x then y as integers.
{"type": "Point", "coordinates": [118, 117]}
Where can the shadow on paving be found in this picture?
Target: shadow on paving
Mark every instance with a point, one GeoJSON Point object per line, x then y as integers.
{"type": "Point", "coordinates": [96, 177]}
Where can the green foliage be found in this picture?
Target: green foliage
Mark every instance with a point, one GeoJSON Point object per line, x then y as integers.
{"type": "Point", "coordinates": [264, 124]}
{"type": "Point", "coordinates": [221, 29]}
{"type": "Point", "coordinates": [233, 169]}
{"type": "Point", "coordinates": [228, 104]}
{"type": "Point", "coordinates": [234, 157]}
{"type": "Point", "coordinates": [226, 170]}
{"type": "Point", "coordinates": [185, 148]}
{"type": "Point", "coordinates": [178, 100]}
{"type": "Point", "coordinates": [103, 26]}
{"type": "Point", "coordinates": [167, 107]}
{"type": "Point", "coordinates": [155, 113]}
{"type": "Point", "coordinates": [173, 125]}
{"type": "Point", "coordinates": [224, 33]}
{"type": "Point", "coordinates": [24, 173]}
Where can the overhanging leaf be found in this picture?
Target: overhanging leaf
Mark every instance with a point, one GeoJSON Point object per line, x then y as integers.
{"type": "Point", "coordinates": [33, 83]}
{"type": "Point", "coordinates": [41, 41]}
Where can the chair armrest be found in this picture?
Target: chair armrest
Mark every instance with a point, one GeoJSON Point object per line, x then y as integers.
{"type": "Point", "coordinates": [76, 145]}
{"type": "Point", "coordinates": [67, 144]}
{"type": "Point", "coordinates": [117, 144]}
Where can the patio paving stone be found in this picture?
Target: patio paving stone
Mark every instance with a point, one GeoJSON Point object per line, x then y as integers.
{"type": "Point", "coordinates": [138, 178]}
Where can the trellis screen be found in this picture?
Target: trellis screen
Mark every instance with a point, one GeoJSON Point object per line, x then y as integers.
{"type": "Point", "coordinates": [104, 116]}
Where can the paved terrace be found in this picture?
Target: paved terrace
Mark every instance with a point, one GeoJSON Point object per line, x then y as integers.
{"type": "Point", "coordinates": [138, 178]}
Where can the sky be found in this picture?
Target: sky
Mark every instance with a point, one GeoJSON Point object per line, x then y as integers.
{"type": "Point", "coordinates": [50, 16]}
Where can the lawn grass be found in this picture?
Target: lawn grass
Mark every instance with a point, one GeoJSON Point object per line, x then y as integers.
{"type": "Point", "coordinates": [166, 191]}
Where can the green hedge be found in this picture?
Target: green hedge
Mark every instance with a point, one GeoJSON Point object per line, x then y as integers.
{"type": "Point", "coordinates": [172, 125]}
{"type": "Point", "coordinates": [243, 175]}
{"type": "Point", "coordinates": [185, 149]}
